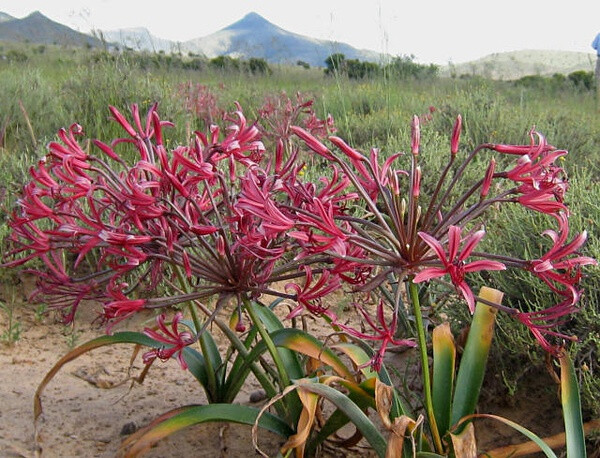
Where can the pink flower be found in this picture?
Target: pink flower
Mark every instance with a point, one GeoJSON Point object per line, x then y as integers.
{"type": "Point", "coordinates": [543, 202]}
{"type": "Point", "coordinates": [381, 331]}
{"type": "Point", "coordinates": [256, 199]}
{"type": "Point", "coordinates": [561, 264]}
{"type": "Point", "coordinates": [453, 262]}
{"type": "Point", "coordinates": [533, 149]}
{"type": "Point", "coordinates": [321, 217]}
{"type": "Point", "coordinates": [309, 296]}
{"type": "Point", "coordinates": [175, 340]}
{"type": "Point", "coordinates": [540, 323]}
{"type": "Point", "coordinates": [119, 310]}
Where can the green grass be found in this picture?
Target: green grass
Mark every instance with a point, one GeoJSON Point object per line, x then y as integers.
{"type": "Point", "coordinates": [55, 87]}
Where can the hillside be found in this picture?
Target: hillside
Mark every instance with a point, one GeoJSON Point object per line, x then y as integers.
{"type": "Point", "coordinates": [139, 39]}
{"type": "Point", "coordinates": [5, 17]}
{"type": "Point", "coordinates": [37, 28]}
{"type": "Point", "coordinates": [516, 64]}
{"type": "Point", "coordinates": [251, 36]}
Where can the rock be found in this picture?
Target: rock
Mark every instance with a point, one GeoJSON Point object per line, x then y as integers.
{"type": "Point", "coordinates": [258, 395]}
{"type": "Point", "coordinates": [128, 428]}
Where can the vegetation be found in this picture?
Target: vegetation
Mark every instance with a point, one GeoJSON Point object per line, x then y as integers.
{"type": "Point", "coordinates": [403, 67]}
{"type": "Point", "coordinates": [44, 90]}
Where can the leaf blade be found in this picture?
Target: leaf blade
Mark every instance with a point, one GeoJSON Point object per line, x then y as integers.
{"type": "Point", "coordinates": [571, 404]}
{"type": "Point", "coordinates": [472, 366]}
{"type": "Point", "coordinates": [208, 413]}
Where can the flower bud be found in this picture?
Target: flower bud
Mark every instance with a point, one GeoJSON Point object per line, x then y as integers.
{"type": "Point", "coordinates": [455, 135]}
{"type": "Point", "coordinates": [416, 182]}
{"type": "Point", "coordinates": [487, 181]}
{"type": "Point", "coordinates": [415, 136]}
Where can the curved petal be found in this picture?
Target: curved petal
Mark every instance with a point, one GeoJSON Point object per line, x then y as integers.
{"type": "Point", "coordinates": [453, 242]}
{"type": "Point", "coordinates": [429, 273]}
{"type": "Point", "coordinates": [467, 294]}
{"type": "Point", "coordinates": [470, 244]}
{"type": "Point", "coordinates": [435, 246]}
{"type": "Point", "coordinates": [484, 264]}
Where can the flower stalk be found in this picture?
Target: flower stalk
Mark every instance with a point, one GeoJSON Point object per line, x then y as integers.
{"type": "Point", "coordinates": [413, 291]}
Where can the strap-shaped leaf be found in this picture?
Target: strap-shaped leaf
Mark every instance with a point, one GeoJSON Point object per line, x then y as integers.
{"type": "Point", "coordinates": [571, 404]}
{"type": "Point", "coordinates": [530, 435]}
{"type": "Point", "coordinates": [193, 415]}
{"type": "Point", "coordinates": [352, 411]}
{"type": "Point", "coordinates": [358, 356]}
{"type": "Point", "coordinates": [290, 359]}
{"type": "Point", "coordinates": [400, 406]}
{"type": "Point", "coordinates": [212, 362]}
{"type": "Point", "coordinates": [117, 338]}
{"type": "Point", "coordinates": [362, 395]}
{"type": "Point", "coordinates": [306, 344]}
{"type": "Point", "coordinates": [530, 447]}
{"type": "Point", "coordinates": [444, 359]}
{"type": "Point", "coordinates": [472, 365]}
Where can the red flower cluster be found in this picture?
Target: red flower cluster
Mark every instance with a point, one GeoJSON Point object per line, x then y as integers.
{"type": "Point", "coordinates": [231, 216]}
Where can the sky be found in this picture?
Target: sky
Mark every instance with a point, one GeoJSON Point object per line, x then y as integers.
{"type": "Point", "coordinates": [433, 31]}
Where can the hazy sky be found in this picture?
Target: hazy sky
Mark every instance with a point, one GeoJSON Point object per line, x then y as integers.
{"type": "Point", "coordinates": [436, 31]}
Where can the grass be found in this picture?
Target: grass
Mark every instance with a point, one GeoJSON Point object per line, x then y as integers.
{"type": "Point", "coordinates": [55, 87]}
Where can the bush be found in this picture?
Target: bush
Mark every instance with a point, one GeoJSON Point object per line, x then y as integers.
{"type": "Point", "coordinates": [582, 79]}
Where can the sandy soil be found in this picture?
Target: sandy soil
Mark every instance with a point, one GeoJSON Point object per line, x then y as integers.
{"type": "Point", "coordinates": [90, 406]}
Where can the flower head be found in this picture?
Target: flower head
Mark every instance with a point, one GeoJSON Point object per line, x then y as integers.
{"type": "Point", "coordinates": [174, 339]}
{"type": "Point", "coordinates": [453, 261]}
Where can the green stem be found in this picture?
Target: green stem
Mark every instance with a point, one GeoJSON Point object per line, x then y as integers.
{"type": "Point", "coordinates": [210, 370]}
{"type": "Point", "coordinates": [414, 299]}
{"type": "Point", "coordinates": [284, 380]}
{"type": "Point", "coordinates": [243, 351]}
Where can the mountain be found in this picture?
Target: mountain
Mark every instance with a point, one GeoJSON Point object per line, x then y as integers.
{"type": "Point", "coordinates": [516, 64]}
{"type": "Point", "coordinates": [139, 39]}
{"type": "Point", "coordinates": [37, 28]}
{"type": "Point", "coordinates": [5, 17]}
{"type": "Point", "coordinates": [254, 36]}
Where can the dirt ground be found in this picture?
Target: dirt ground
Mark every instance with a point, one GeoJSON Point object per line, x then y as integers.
{"type": "Point", "coordinates": [88, 411]}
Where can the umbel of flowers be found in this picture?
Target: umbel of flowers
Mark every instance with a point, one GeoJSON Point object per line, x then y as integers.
{"type": "Point", "coordinates": [226, 217]}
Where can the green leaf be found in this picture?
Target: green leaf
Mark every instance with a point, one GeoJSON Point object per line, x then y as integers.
{"type": "Point", "coordinates": [530, 435]}
{"type": "Point", "coordinates": [289, 358]}
{"type": "Point", "coordinates": [306, 344]}
{"type": "Point", "coordinates": [352, 411]}
{"type": "Point", "coordinates": [193, 415]}
{"type": "Point", "coordinates": [571, 404]}
{"type": "Point", "coordinates": [241, 366]}
{"type": "Point", "coordinates": [444, 359]}
{"type": "Point", "coordinates": [472, 365]}
{"type": "Point", "coordinates": [212, 362]}
{"type": "Point", "coordinates": [117, 338]}
{"type": "Point", "coordinates": [238, 370]}
{"type": "Point", "coordinates": [399, 406]}
{"type": "Point", "coordinates": [362, 395]}
{"type": "Point", "coordinates": [196, 365]}
{"type": "Point", "coordinates": [358, 357]}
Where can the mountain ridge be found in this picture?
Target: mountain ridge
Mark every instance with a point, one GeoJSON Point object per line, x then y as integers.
{"type": "Point", "coordinates": [255, 36]}
{"type": "Point", "coordinates": [250, 36]}
{"type": "Point", "coordinates": [37, 28]}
